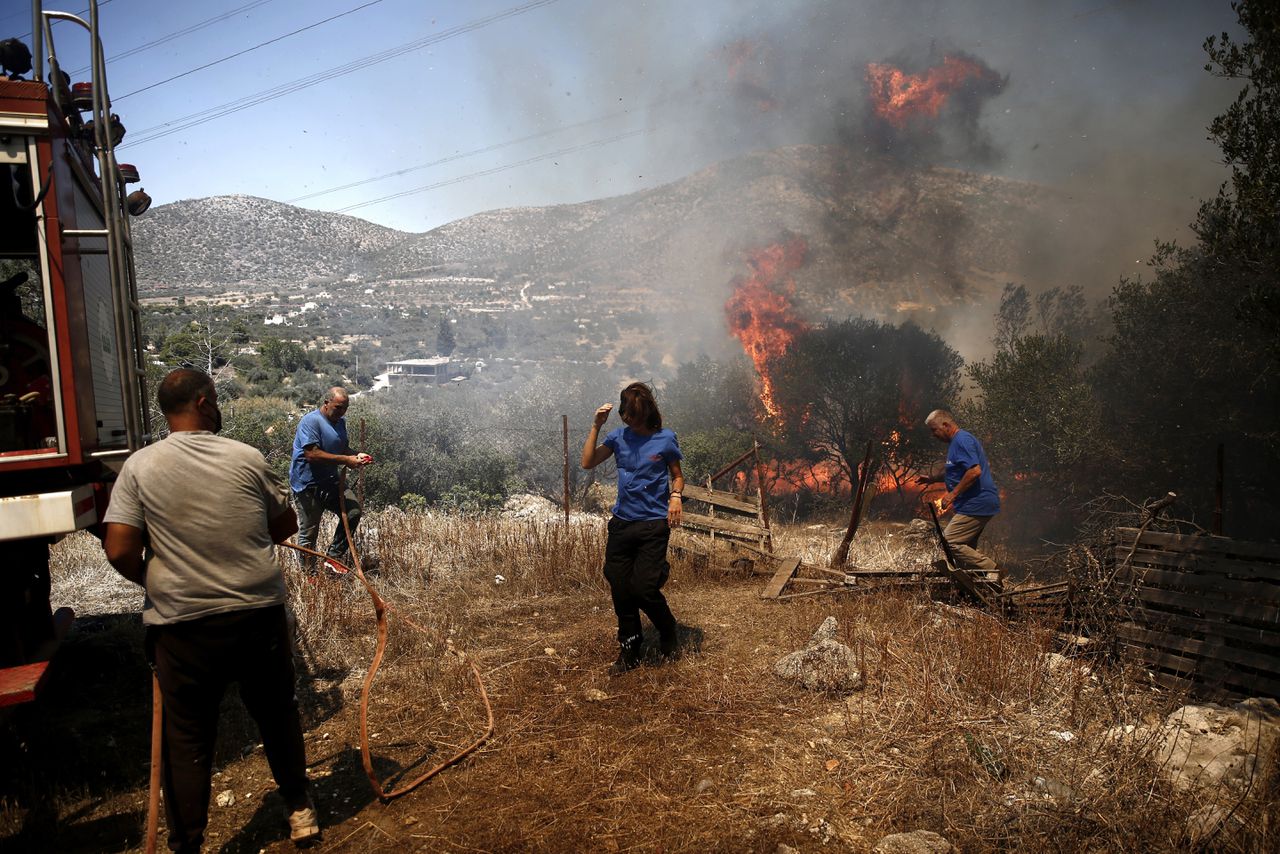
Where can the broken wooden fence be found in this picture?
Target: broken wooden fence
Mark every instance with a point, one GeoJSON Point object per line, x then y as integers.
{"type": "Point", "coordinates": [720, 514]}
{"type": "Point", "coordinates": [1204, 612]}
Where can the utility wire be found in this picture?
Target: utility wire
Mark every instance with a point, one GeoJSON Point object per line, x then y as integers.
{"type": "Point", "coordinates": [250, 49]}
{"type": "Point", "coordinates": [212, 113]}
{"type": "Point", "coordinates": [465, 154]}
{"type": "Point", "coordinates": [458, 180]}
{"type": "Point", "coordinates": [178, 34]}
{"type": "Point", "coordinates": [27, 15]}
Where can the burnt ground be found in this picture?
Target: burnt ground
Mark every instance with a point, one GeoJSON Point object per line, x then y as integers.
{"type": "Point", "coordinates": [77, 761]}
{"type": "Point", "coordinates": [712, 752]}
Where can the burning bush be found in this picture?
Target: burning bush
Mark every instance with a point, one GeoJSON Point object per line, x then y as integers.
{"type": "Point", "coordinates": [844, 384]}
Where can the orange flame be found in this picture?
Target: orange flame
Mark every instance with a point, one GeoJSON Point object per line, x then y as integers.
{"type": "Point", "coordinates": [897, 96]}
{"type": "Point", "coordinates": [759, 309]}
{"type": "Point", "coordinates": [787, 477]}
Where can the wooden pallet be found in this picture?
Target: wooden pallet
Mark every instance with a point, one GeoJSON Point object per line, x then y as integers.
{"type": "Point", "coordinates": [1204, 613]}
{"type": "Point", "coordinates": [728, 515]}
{"type": "Point", "coordinates": [1041, 601]}
{"type": "Point", "coordinates": [805, 579]}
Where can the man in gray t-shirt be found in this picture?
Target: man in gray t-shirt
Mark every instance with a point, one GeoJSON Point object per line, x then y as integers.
{"type": "Point", "coordinates": [194, 519]}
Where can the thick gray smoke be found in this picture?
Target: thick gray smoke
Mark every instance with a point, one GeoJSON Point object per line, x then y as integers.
{"type": "Point", "coordinates": [1099, 107]}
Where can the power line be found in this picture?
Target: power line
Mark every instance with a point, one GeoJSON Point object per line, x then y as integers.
{"type": "Point", "coordinates": [178, 34]}
{"type": "Point", "coordinates": [27, 15]}
{"type": "Point", "coordinates": [465, 154]}
{"type": "Point", "coordinates": [250, 49]}
{"type": "Point", "coordinates": [212, 113]}
{"type": "Point", "coordinates": [458, 180]}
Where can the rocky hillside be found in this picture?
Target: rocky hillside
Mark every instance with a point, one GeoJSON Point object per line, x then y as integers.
{"type": "Point", "coordinates": [257, 243]}
{"type": "Point", "coordinates": [883, 239]}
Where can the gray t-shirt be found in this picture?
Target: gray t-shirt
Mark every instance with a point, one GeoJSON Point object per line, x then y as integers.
{"type": "Point", "coordinates": [204, 503]}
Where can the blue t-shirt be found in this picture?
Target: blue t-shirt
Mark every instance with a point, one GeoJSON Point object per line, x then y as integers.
{"type": "Point", "coordinates": [981, 498]}
{"type": "Point", "coordinates": [315, 429]}
{"type": "Point", "coordinates": [643, 488]}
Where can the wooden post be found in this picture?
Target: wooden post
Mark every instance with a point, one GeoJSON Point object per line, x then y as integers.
{"type": "Point", "coordinates": [1217, 507]}
{"type": "Point", "coordinates": [564, 419]}
{"type": "Point", "coordinates": [764, 504]}
{"type": "Point", "coordinates": [360, 471]}
{"type": "Point", "coordinates": [864, 475]}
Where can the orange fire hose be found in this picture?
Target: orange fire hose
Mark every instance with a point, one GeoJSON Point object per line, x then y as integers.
{"type": "Point", "coordinates": [153, 800]}
{"type": "Point", "coordinates": [381, 609]}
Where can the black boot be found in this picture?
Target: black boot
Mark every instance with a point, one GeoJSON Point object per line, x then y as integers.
{"type": "Point", "coordinates": [669, 645]}
{"type": "Point", "coordinates": [628, 655]}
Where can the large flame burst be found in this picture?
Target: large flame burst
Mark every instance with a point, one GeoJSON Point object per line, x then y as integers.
{"type": "Point", "coordinates": [897, 96]}
{"type": "Point", "coordinates": [759, 310]}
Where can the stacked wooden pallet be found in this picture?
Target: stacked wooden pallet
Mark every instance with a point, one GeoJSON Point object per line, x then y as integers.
{"type": "Point", "coordinates": [1204, 613]}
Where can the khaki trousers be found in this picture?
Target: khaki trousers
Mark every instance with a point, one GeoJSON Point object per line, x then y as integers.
{"type": "Point", "coordinates": [962, 534]}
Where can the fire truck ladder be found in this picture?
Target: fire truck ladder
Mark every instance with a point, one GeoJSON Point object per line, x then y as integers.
{"type": "Point", "coordinates": [131, 359]}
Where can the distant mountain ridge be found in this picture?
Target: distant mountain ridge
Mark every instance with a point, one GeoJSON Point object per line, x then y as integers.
{"type": "Point", "coordinates": [230, 241]}
{"type": "Point", "coordinates": [883, 239]}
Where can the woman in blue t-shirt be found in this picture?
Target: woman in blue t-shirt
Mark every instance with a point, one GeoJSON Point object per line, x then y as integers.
{"type": "Point", "coordinates": [648, 507]}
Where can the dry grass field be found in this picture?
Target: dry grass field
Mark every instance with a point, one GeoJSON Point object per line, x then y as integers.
{"type": "Point", "coordinates": [965, 726]}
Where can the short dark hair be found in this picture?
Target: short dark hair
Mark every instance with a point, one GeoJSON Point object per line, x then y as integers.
{"type": "Point", "coordinates": [333, 394]}
{"type": "Point", "coordinates": [181, 388]}
{"type": "Point", "coordinates": [637, 401]}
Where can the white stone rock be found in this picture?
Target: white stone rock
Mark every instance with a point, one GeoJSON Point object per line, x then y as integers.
{"type": "Point", "coordinates": [826, 631]}
{"type": "Point", "coordinates": [1208, 745]}
{"type": "Point", "coordinates": [225, 798]}
{"type": "Point", "coordinates": [824, 665]}
{"type": "Point", "coordinates": [915, 842]}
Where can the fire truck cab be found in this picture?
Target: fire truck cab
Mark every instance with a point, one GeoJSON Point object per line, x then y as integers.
{"type": "Point", "coordinates": [72, 402]}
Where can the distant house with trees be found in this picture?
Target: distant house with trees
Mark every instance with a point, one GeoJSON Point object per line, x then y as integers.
{"type": "Point", "coordinates": [434, 371]}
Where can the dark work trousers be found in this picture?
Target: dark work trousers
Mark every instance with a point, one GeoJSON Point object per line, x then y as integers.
{"type": "Point", "coordinates": [311, 504]}
{"type": "Point", "coordinates": [195, 661]}
{"type": "Point", "coordinates": [635, 565]}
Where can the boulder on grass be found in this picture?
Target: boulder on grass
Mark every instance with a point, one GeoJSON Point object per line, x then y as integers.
{"type": "Point", "coordinates": [1209, 745]}
{"type": "Point", "coordinates": [824, 665]}
{"type": "Point", "coordinates": [915, 842]}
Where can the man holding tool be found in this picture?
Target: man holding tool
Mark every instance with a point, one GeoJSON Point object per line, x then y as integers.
{"type": "Point", "coordinates": [320, 445]}
{"type": "Point", "coordinates": [971, 491]}
{"type": "Point", "coordinates": [215, 599]}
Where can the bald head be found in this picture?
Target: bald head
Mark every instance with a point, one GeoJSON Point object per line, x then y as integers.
{"type": "Point", "coordinates": [334, 404]}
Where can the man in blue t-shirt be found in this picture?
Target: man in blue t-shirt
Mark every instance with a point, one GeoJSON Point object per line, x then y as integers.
{"type": "Point", "coordinates": [319, 446]}
{"type": "Point", "coordinates": [971, 491]}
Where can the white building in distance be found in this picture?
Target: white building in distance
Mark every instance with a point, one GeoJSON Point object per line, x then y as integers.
{"type": "Point", "coordinates": [434, 371]}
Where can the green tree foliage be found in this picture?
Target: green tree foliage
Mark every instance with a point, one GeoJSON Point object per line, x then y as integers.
{"type": "Point", "coordinates": [445, 340]}
{"type": "Point", "coordinates": [1195, 356]}
{"type": "Point", "coordinates": [706, 396]}
{"type": "Point", "coordinates": [1240, 228]}
{"type": "Point", "coordinates": [848, 383]}
{"type": "Point", "coordinates": [267, 423]}
{"type": "Point", "coordinates": [1040, 418]}
{"type": "Point", "coordinates": [1054, 312]}
{"type": "Point", "coordinates": [706, 451]}
{"type": "Point", "coordinates": [285, 356]}
{"type": "Point", "coordinates": [190, 348]}
{"type": "Point", "coordinates": [1184, 374]}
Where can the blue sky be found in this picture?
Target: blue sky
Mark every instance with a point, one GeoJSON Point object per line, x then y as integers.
{"type": "Point", "coordinates": [602, 97]}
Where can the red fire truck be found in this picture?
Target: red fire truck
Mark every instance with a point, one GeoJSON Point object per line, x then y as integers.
{"type": "Point", "coordinates": [72, 401]}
